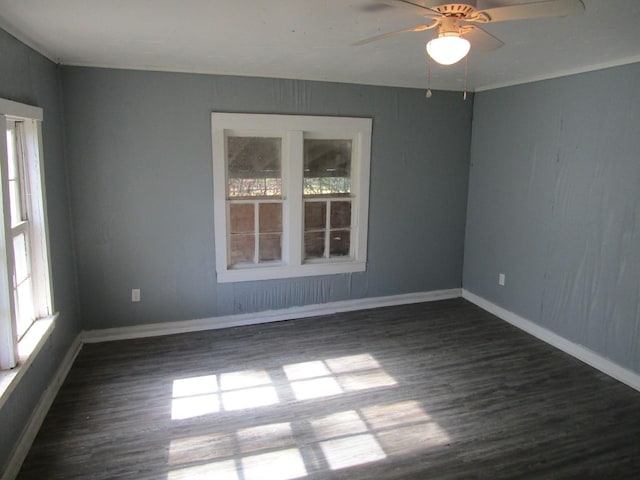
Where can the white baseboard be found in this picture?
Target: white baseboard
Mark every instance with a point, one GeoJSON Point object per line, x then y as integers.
{"type": "Point", "coordinates": [580, 352]}
{"type": "Point", "coordinates": [157, 329]}
{"type": "Point", "coordinates": [30, 431]}
{"type": "Point", "coordinates": [92, 336]}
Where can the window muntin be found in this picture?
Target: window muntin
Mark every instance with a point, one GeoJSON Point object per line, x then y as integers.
{"type": "Point", "coordinates": [261, 205]}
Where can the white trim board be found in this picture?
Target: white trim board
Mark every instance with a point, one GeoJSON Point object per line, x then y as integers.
{"type": "Point", "coordinates": [587, 356]}
{"type": "Point", "coordinates": [10, 108]}
{"type": "Point", "coordinates": [226, 321]}
{"type": "Point", "coordinates": [31, 344]}
{"type": "Point", "coordinates": [19, 453]}
{"type": "Point", "coordinates": [580, 352]}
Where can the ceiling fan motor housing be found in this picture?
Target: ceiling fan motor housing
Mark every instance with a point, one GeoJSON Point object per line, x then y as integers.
{"type": "Point", "coordinates": [460, 9]}
{"type": "Point", "coordinates": [449, 27]}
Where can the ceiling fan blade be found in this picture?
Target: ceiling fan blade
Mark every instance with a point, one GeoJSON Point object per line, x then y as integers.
{"type": "Point", "coordinates": [419, 28]}
{"type": "Point", "coordinates": [548, 8]}
{"type": "Point", "coordinates": [418, 6]}
{"type": "Point", "coordinates": [480, 39]}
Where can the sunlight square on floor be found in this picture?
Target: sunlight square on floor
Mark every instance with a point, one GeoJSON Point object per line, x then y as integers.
{"type": "Point", "coordinates": [350, 451]}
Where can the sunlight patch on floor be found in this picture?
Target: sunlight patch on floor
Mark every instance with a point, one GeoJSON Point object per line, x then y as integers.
{"type": "Point", "coordinates": [352, 382]}
{"type": "Point", "coordinates": [244, 379]}
{"type": "Point", "coordinates": [279, 465]}
{"type": "Point", "coordinates": [217, 470]}
{"type": "Point", "coordinates": [305, 370]}
{"type": "Point", "coordinates": [202, 395]}
{"type": "Point", "coordinates": [189, 407]}
{"type": "Point", "coordinates": [278, 451]}
{"type": "Point", "coordinates": [412, 438]}
{"type": "Point", "coordinates": [334, 376]}
{"type": "Point", "coordinates": [316, 388]}
{"type": "Point", "coordinates": [350, 451]}
{"type": "Point", "coordinates": [187, 387]}
{"type": "Point", "coordinates": [200, 448]}
{"type": "Point", "coordinates": [352, 363]}
{"type": "Point", "coordinates": [404, 427]}
{"type": "Point", "coordinates": [275, 435]}
{"type": "Point", "coordinates": [338, 424]}
{"type": "Point", "coordinates": [249, 398]}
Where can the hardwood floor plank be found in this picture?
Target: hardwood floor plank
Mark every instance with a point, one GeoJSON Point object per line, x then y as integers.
{"type": "Point", "coordinates": [436, 390]}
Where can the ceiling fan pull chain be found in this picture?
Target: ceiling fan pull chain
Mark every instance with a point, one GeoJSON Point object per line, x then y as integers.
{"type": "Point", "coordinates": [429, 93]}
{"type": "Point", "coordinates": [466, 75]}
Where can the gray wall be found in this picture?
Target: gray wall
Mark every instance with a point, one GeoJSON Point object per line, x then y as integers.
{"type": "Point", "coordinates": [28, 77]}
{"type": "Point", "coordinates": [554, 200]}
{"type": "Point", "coordinates": [139, 152]}
{"type": "Point", "coordinates": [554, 203]}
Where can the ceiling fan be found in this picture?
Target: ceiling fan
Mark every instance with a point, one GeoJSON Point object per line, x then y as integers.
{"type": "Point", "coordinates": [457, 28]}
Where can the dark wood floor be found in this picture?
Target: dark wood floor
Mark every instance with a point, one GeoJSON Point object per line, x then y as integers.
{"type": "Point", "coordinates": [439, 390]}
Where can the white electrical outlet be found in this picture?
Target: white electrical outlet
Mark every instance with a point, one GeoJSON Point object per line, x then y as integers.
{"type": "Point", "coordinates": [501, 279]}
{"type": "Point", "coordinates": [135, 295]}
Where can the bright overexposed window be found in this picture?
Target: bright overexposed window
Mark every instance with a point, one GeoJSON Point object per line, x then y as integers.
{"type": "Point", "coordinates": [291, 195]}
{"type": "Point", "coordinates": [25, 294]}
{"type": "Point", "coordinates": [20, 227]}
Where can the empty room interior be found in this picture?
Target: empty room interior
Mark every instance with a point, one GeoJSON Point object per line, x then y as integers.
{"type": "Point", "coordinates": [293, 239]}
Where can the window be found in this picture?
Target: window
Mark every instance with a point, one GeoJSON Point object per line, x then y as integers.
{"type": "Point", "coordinates": [291, 195]}
{"type": "Point", "coordinates": [25, 294]}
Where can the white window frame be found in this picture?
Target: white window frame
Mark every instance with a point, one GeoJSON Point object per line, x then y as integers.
{"type": "Point", "coordinates": [12, 349]}
{"type": "Point", "coordinates": [293, 129]}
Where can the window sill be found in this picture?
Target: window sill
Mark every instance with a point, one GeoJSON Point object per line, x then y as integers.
{"type": "Point", "coordinates": [290, 271]}
{"type": "Point", "coordinates": [28, 349]}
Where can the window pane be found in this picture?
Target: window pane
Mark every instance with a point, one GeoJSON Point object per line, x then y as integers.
{"type": "Point", "coordinates": [315, 215]}
{"type": "Point", "coordinates": [21, 265]}
{"type": "Point", "coordinates": [314, 245]}
{"type": "Point", "coordinates": [15, 202]}
{"type": "Point", "coordinates": [340, 214]}
{"type": "Point", "coordinates": [241, 217]}
{"type": "Point", "coordinates": [253, 167]}
{"type": "Point", "coordinates": [11, 151]}
{"type": "Point", "coordinates": [270, 247]}
{"type": "Point", "coordinates": [327, 167]}
{"type": "Point", "coordinates": [270, 217]}
{"type": "Point", "coordinates": [242, 248]}
{"type": "Point", "coordinates": [24, 307]}
{"type": "Point", "coordinates": [339, 243]}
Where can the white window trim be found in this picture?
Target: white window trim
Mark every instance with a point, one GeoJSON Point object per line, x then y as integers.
{"type": "Point", "coordinates": [28, 348]}
{"type": "Point", "coordinates": [13, 353]}
{"type": "Point", "coordinates": [292, 129]}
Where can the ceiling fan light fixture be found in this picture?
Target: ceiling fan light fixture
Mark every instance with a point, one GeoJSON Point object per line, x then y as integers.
{"type": "Point", "coordinates": [448, 49]}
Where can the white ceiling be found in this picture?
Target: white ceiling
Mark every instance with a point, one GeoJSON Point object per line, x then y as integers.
{"type": "Point", "coordinates": [311, 39]}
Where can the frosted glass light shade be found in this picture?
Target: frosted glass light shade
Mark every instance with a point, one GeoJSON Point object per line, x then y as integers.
{"type": "Point", "coordinates": [448, 50]}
